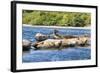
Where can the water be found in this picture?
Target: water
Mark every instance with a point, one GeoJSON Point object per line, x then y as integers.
{"type": "Point", "coordinates": [76, 53]}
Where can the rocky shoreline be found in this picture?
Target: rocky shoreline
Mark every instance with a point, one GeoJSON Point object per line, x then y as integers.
{"type": "Point", "coordinates": [56, 41]}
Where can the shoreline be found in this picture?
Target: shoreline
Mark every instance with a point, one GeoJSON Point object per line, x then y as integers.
{"type": "Point", "coordinates": [56, 26]}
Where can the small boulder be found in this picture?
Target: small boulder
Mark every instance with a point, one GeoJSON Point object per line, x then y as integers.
{"type": "Point", "coordinates": [26, 45]}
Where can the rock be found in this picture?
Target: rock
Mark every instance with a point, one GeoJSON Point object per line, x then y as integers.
{"type": "Point", "coordinates": [26, 45]}
{"type": "Point", "coordinates": [49, 43]}
{"type": "Point", "coordinates": [69, 36]}
{"type": "Point", "coordinates": [56, 43]}
{"type": "Point", "coordinates": [52, 43]}
{"type": "Point", "coordinates": [83, 40]}
{"type": "Point", "coordinates": [69, 42]}
{"type": "Point", "coordinates": [40, 37]}
{"type": "Point", "coordinates": [61, 43]}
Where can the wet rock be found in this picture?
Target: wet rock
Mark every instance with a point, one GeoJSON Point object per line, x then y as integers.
{"type": "Point", "coordinates": [26, 45]}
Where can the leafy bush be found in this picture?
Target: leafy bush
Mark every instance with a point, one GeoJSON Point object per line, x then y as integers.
{"type": "Point", "coordinates": [51, 18]}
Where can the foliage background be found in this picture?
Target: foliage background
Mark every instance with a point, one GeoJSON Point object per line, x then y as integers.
{"type": "Point", "coordinates": [53, 18]}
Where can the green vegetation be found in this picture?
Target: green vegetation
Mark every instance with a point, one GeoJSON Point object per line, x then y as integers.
{"type": "Point", "coordinates": [51, 18]}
